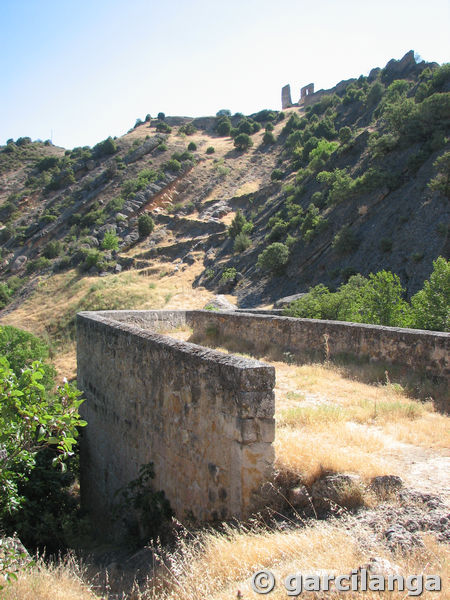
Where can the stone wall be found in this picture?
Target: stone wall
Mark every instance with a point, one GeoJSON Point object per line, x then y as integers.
{"type": "Point", "coordinates": [425, 352]}
{"type": "Point", "coordinates": [204, 418]}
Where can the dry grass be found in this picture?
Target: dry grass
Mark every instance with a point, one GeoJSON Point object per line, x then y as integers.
{"type": "Point", "coordinates": [219, 565]}
{"type": "Point", "coordinates": [216, 565]}
{"type": "Point", "coordinates": [306, 453]}
{"type": "Point", "coordinates": [62, 581]}
{"type": "Point", "coordinates": [50, 311]}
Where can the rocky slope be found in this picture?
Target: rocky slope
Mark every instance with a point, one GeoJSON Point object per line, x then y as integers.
{"type": "Point", "coordinates": [357, 181]}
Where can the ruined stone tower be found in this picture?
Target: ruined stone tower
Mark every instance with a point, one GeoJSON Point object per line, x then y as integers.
{"type": "Point", "coordinates": [286, 100]}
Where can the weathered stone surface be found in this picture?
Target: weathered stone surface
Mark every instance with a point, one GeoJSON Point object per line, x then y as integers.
{"type": "Point", "coordinates": [286, 99]}
{"type": "Point", "coordinates": [426, 352]}
{"type": "Point", "coordinates": [18, 264]}
{"type": "Point", "coordinates": [204, 418]}
{"type": "Point", "coordinates": [383, 484]}
{"type": "Point", "coordinates": [283, 302]}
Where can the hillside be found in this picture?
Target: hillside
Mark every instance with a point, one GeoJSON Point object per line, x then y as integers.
{"type": "Point", "coordinates": [354, 182]}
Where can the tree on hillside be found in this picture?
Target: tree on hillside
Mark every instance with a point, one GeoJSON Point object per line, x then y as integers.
{"type": "Point", "coordinates": [145, 225]}
{"type": "Point", "coordinates": [243, 141]}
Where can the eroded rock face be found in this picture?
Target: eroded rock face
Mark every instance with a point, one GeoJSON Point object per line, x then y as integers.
{"type": "Point", "coordinates": [18, 264]}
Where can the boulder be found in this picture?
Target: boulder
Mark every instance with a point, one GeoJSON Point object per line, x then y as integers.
{"type": "Point", "coordinates": [386, 484]}
{"type": "Point", "coordinates": [283, 302]}
{"type": "Point", "coordinates": [337, 491]}
{"type": "Point", "coordinates": [18, 264]}
{"type": "Point", "coordinates": [221, 303]}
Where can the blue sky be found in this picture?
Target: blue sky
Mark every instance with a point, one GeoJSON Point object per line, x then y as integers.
{"type": "Point", "coordinates": [84, 70]}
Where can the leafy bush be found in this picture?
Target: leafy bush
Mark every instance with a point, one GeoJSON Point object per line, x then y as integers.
{"type": "Point", "coordinates": [441, 182]}
{"type": "Point", "coordinates": [276, 175]}
{"type": "Point", "coordinates": [105, 148]}
{"type": "Point", "coordinates": [142, 510]}
{"type": "Point", "coordinates": [345, 135]}
{"type": "Point", "coordinates": [210, 150]}
{"type": "Point", "coordinates": [38, 264]}
{"type": "Point", "coordinates": [161, 116]}
{"type": "Point", "coordinates": [30, 421]}
{"type": "Point", "coordinates": [340, 183]}
{"type": "Point", "coordinates": [243, 141]}
{"type": "Point", "coordinates": [172, 165]}
{"type": "Point", "coordinates": [274, 258]}
{"type": "Point", "coordinates": [228, 275]}
{"type": "Point", "coordinates": [241, 242]}
{"type": "Point", "coordinates": [278, 231]}
{"type": "Point", "coordinates": [268, 138]}
{"type": "Point", "coordinates": [223, 127]}
{"type": "Point", "coordinates": [53, 249]}
{"type": "Point", "coordinates": [110, 241]}
{"type": "Point", "coordinates": [192, 146]}
{"type": "Point", "coordinates": [239, 224]}
{"type": "Point", "coordinates": [187, 129]}
{"type": "Point", "coordinates": [21, 348]}
{"type": "Point", "coordinates": [145, 225]}
{"type": "Point", "coordinates": [265, 115]}
{"type": "Point", "coordinates": [162, 127]}
{"type": "Point", "coordinates": [377, 300]}
{"type": "Point", "coordinates": [345, 241]}
{"type": "Point", "coordinates": [431, 305]}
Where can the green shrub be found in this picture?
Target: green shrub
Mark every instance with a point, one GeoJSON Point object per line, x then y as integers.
{"type": "Point", "coordinates": [268, 138]}
{"type": "Point", "coordinates": [162, 147]}
{"type": "Point", "coordinates": [192, 146]}
{"type": "Point", "coordinates": [21, 348]}
{"type": "Point", "coordinates": [38, 264]}
{"type": "Point", "coordinates": [162, 127]}
{"type": "Point", "coordinates": [431, 305]}
{"type": "Point", "coordinates": [278, 231]}
{"type": "Point", "coordinates": [241, 242]}
{"type": "Point", "coordinates": [32, 420]}
{"type": "Point", "coordinates": [92, 258]}
{"type": "Point", "coordinates": [441, 182]}
{"type": "Point", "coordinates": [228, 275]}
{"type": "Point", "coordinates": [105, 148]}
{"type": "Point", "coordinates": [223, 127]}
{"type": "Point", "coordinates": [345, 241]}
{"type": "Point", "coordinates": [172, 165]}
{"type": "Point", "coordinates": [210, 150]}
{"type": "Point", "coordinates": [110, 241]}
{"type": "Point", "coordinates": [345, 135]}
{"type": "Point", "coordinates": [145, 225]}
{"type": "Point", "coordinates": [239, 224]}
{"type": "Point", "coordinates": [243, 141]}
{"type": "Point", "coordinates": [276, 175]}
{"type": "Point", "coordinates": [187, 129]}
{"type": "Point", "coordinates": [274, 258]}
{"type": "Point", "coordinates": [52, 249]}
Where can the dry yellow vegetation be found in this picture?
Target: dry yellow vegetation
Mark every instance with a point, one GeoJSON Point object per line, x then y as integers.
{"type": "Point", "coordinates": [220, 565]}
